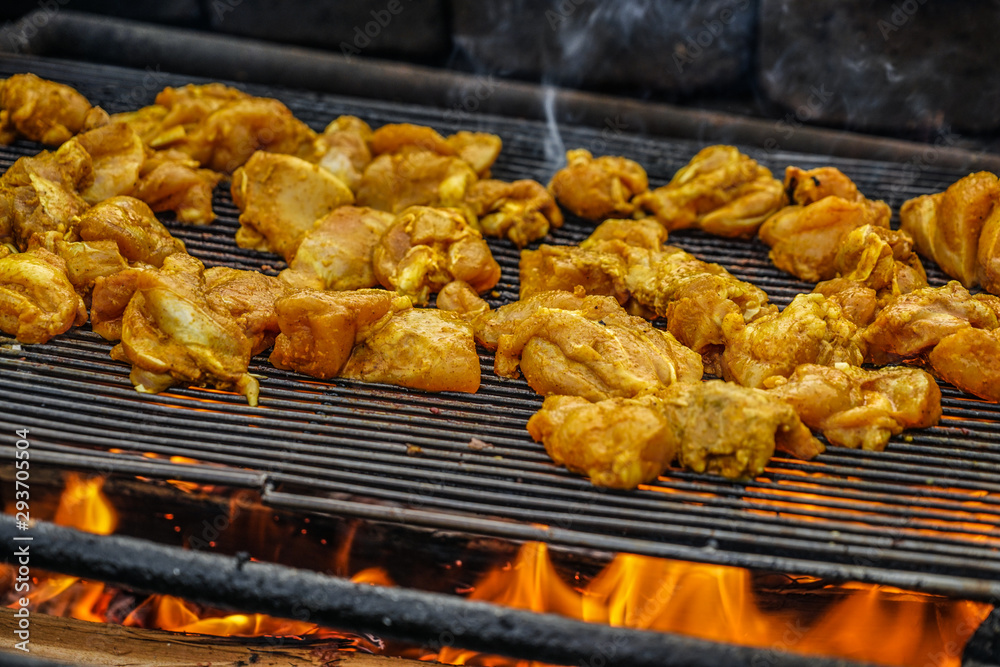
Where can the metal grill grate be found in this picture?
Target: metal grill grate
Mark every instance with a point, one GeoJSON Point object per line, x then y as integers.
{"type": "Point", "coordinates": [923, 515]}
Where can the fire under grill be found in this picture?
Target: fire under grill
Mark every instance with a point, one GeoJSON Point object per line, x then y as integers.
{"type": "Point", "coordinates": [924, 515]}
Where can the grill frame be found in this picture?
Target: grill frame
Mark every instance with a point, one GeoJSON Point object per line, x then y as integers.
{"type": "Point", "coordinates": [72, 380]}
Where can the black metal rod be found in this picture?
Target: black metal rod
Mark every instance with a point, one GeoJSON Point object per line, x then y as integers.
{"type": "Point", "coordinates": [428, 619]}
{"type": "Point", "coordinates": [134, 44]}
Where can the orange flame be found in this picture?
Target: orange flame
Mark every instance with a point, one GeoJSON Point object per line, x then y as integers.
{"type": "Point", "coordinates": [84, 506]}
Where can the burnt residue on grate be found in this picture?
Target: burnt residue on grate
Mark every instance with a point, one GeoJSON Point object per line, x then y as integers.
{"type": "Point", "coordinates": [924, 515]}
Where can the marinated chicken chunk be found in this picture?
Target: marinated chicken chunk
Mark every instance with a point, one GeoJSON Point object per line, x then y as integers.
{"type": "Point", "coordinates": [117, 154]}
{"type": "Point", "coordinates": [988, 254]}
{"type": "Point", "coordinates": [415, 177]}
{"type": "Point", "coordinates": [912, 324]}
{"type": "Point", "coordinates": [37, 300]}
{"type": "Point", "coordinates": [857, 302]}
{"type": "Point", "coordinates": [505, 319]}
{"type": "Point", "coordinates": [320, 329]}
{"type": "Point", "coordinates": [970, 360]}
{"type": "Point", "coordinates": [598, 188]}
{"type": "Point", "coordinates": [109, 299]}
{"type": "Point", "coordinates": [477, 149]}
{"type": "Point", "coordinates": [280, 198]}
{"type": "Point", "coordinates": [859, 408]}
{"type": "Point", "coordinates": [946, 226]}
{"type": "Point", "coordinates": [170, 181]}
{"type": "Point", "coordinates": [86, 261]}
{"type": "Point", "coordinates": [171, 334]}
{"type": "Point", "coordinates": [522, 211]}
{"type": "Point", "coordinates": [806, 187]}
{"type": "Point", "coordinates": [132, 225]}
{"type": "Point", "coordinates": [618, 235]}
{"type": "Point", "coordinates": [564, 268]}
{"type": "Point", "coordinates": [41, 110]}
{"type": "Point", "coordinates": [458, 297]}
{"type": "Point", "coordinates": [882, 259]}
{"type": "Point", "coordinates": [563, 352]}
{"type": "Point", "coordinates": [721, 191]}
{"type": "Point", "coordinates": [419, 348]}
{"type": "Point", "coordinates": [618, 443]}
{"type": "Point", "coordinates": [426, 248]}
{"type": "Point", "coordinates": [810, 330]}
{"type": "Point", "coordinates": [805, 239]}
{"type": "Point", "coordinates": [336, 254]}
{"type": "Point", "coordinates": [249, 298]}
{"type": "Point", "coordinates": [343, 149]}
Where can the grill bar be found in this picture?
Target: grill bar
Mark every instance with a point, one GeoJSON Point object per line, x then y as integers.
{"type": "Point", "coordinates": [924, 515]}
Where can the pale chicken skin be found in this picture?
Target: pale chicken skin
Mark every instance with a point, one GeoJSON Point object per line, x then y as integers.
{"type": "Point", "coordinates": [859, 408]}
{"type": "Point", "coordinates": [320, 329]}
{"type": "Point", "coordinates": [598, 188]}
{"type": "Point", "coordinates": [280, 198]}
{"type": "Point", "coordinates": [415, 177]}
{"type": "Point", "coordinates": [810, 330]}
{"type": "Point", "coordinates": [419, 348]}
{"type": "Point", "coordinates": [912, 324]}
{"type": "Point", "coordinates": [37, 300]}
{"type": "Point", "coordinates": [522, 211]}
{"type": "Point", "coordinates": [249, 298]}
{"type": "Point", "coordinates": [41, 110]}
{"type": "Point", "coordinates": [131, 224]}
{"type": "Point", "coordinates": [426, 248]}
{"type": "Point", "coordinates": [336, 254]}
{"type": "Point", "coordinates": [563, 352]}
{"type": "Point", "coordinates": [171, 334]}
{"type": "Point", "coordinates": [946, 226]}
{"type": "Point", "coordinates": [721, 191]}
{"type": "Point", "coordinates": [617, 443]}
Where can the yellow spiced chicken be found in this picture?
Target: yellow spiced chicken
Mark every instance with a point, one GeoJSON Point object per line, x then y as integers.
{"type": "Point", "coordinates": [169, 180]}
{"type": "Point", "coordinates": [280, 198]}
{"type": "Point", "coordinates": [248, 297]}
{"type": "Point", "coordinates": [522, 211]}
{"type": "Point", "coordinates": [947, 226]}
{"type": "Point", "coordinates": [343, 149]}
{"type": "Point", "coordinates": [43, 110]}
{"type": "Point", "coordinates": [565, 352]}
{"type": "Point", "coordinates": [414, 177]}
{"type": "Point", "coordinates": [37, 300]}
{"type": "Point", "coordinates": [86, 261]}
{"type": "Point", "coordinates": [132, 225]}
{"type": "Point", "coordinates": [721, 191]}
{"type": "Point", "coordinates": [806, 236]}
{"type": "Point", "coordinates": [426, 248]}
{"type": "Point", "coordinates": [859, 408]}
{"type": "Point", "coordinates": [598, 188]}
{"type": "Point", "coordinates": [171, 333]}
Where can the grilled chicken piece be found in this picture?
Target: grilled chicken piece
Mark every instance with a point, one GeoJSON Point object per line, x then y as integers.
{"type": "Point", "coordinates": [171, 334]}
{"type": "Point", "coordinates": [882, 259]}
{"type": "Point", "coordinates": [618, 443]}
{"type": "Point", "coordinates": [522, 211]}
{"type": "Point", "coordinates": [458, 297]}
{"type": "Point", "coordinates": [426, 248]}
{"type": "Point", "coordinates": [714, 427]}
{"type": "Point", "coordinates": [563, 352]}
{"type": "Point", "coordinates": [694, 296]}
{"type": "Point", "coordinates": [86, 261]}
{"type": "Point", "coordinates": [42, 110]}
{"type": "Point", "coordinates": [171, 181]}
{"type": "Point", "coordinates": [249, 298]}
{"type": "Point", "coordinates": [806, 187]}
{"type": "Point", "coordinates": [222, 127]}
{"type": "Point", "coordinates": [37, 300]}
{"type": "Point", "coordinates": [564, 268]}
{"type": "Point", "coordinates": [810, 330]}
{"type": "Point", "coordinates": [805, 240]}
{"type": "Point", "coordinates": [109, 299]}
{"type": "Point", "coordinates": [505, 319]}
{"type": "Point", "coordinates": [618, 235]}
{"type": "Point", "coordinates": [336, 254]}
{"type": "Point", "coordinates": [857, 302]}
{"type": "Point", "coordinates": [343, 149]}
{"type": "Point", "coordinates": [946, 226]}
{"type": "Point", "coordinates": [319, 329]}
{"type": "Point", "coordinates": [415, 177]}
{"type": "Point", "coordinates": [856, 408]}
{"type": "Point", "coordinates": [132, 225]}
{"type": "Point", "coordinates": [479, 149]}
{"type": "Point", "coordinates": [721, 191]}
{"type": "Point", "coordinates": [39, 194]}
{"type": "Point", "coordinates": [419, 348]}
{"type": "Point", "coordinates": [988, 254]}
{"type": "Point", "coordinates": [598, 188]}
{"type": "Point", "coordinates": [118, 154]}
{"type": "Point", "coordinates": [913, 324]}
{"type": "Point", "coordinates": [280, 198]}
{"type": "Point", "coordinates": [970, 360]}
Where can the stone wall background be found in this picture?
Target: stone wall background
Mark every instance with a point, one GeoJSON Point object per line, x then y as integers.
{"type": "Point", "coordinates": [909, 68]}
